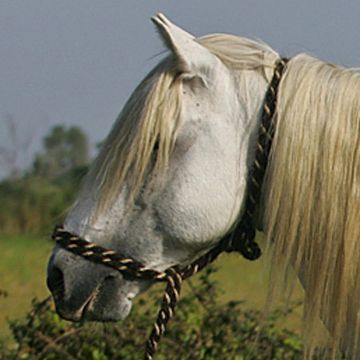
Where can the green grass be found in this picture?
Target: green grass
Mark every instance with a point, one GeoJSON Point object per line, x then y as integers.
{"type": "Point", "coordinates": [23, 274]}
{"type": "Point", "coordinates": [245, 280]}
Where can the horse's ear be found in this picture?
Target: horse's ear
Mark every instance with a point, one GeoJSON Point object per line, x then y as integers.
{"type": "Point", "coordinates": [192, 57]}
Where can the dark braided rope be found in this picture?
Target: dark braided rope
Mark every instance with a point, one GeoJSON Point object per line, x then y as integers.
{"type": "Point", "coordinates": [243, 236]}
{"type": "Point", "coordinates": [129, 267]}
{"type": "Point", "coordinates": [240, 239]}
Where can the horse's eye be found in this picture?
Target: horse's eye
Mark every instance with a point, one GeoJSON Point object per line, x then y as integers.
{"type": "Point", "coordinates": [156, 146]}
{"type": "Point", "coordinates": [155, 151]}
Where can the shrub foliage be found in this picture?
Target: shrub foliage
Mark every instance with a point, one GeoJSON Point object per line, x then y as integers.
{"type": "Point", "coordinates": [203, 328]}
{"type": "Point", "coordinates": [32, 204]}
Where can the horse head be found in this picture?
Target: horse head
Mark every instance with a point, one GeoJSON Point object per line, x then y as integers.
{"type": "Point", "coordinates": [170, 179]}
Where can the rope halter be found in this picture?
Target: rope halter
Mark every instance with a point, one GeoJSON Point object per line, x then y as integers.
{"type": "Point", "coordinates": [240, 239]}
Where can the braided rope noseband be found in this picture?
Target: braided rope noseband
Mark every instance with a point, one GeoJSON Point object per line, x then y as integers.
{"type": "Point", "coordinates": [241, 239]}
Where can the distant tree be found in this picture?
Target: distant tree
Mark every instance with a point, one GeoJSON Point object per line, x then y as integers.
{"type": "Point", "coordinates": [18, 145]}
{"type": "Point", "coordinates": [78, 147]}
{"type": "Point", "coordinates": [63, 149]}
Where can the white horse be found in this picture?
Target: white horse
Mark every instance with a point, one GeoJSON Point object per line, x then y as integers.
{"type": "Point", "coordinates": [170, 179]}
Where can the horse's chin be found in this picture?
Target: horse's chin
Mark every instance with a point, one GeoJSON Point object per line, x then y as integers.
{"type": "Point", "coordinates": [108, 302]}
{"type": "Point", "coordinates": [99, 310]}
{"type": "Point", "coordinates": [96, 312]}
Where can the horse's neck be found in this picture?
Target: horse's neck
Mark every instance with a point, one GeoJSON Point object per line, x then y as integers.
{"type": "Point", "coordinates": [252, 86]}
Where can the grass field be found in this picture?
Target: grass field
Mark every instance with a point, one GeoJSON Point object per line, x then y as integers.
{"type": "Point", "coordinates": [23, 273]}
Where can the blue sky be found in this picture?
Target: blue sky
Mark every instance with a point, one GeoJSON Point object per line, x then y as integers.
{"type": "Point", "coordinates": [77, 61]}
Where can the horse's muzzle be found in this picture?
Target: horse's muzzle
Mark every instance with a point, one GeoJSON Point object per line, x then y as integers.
{"type": "Point", "coordinates": [86, 291]}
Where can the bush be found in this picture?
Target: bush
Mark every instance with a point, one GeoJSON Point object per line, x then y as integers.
{"type": "Point", "coordinates": [33, 204]}
{"type": "Point", "coordinates": [203, 328]}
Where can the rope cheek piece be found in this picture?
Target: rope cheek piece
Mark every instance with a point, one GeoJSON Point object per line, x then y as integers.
{"type": "Point", "coordinates": [240, 239]}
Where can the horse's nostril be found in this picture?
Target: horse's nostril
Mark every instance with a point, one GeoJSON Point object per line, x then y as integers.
{"type": "Point", "coordinates": [55, 280]}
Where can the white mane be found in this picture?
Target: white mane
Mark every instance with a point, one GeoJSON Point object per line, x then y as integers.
{"type": "Point", "coordinates": [313, 196]}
